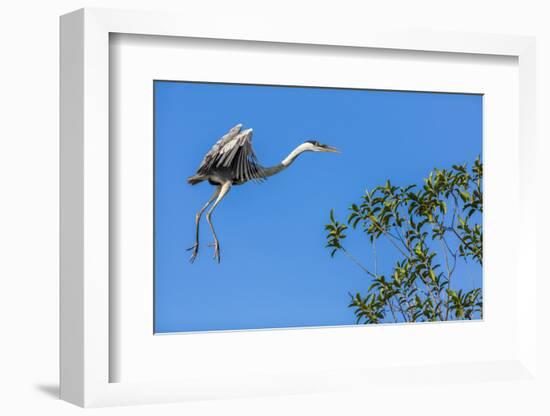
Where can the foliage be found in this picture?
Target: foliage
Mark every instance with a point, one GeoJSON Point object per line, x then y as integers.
{"type": "Point", "coordinates": [431, 228]}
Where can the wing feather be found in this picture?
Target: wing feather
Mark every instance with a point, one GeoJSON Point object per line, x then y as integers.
{"type": "Point", "coordinates": [212, 158]}
{"type": "Point", "coordinates": [234, 152]}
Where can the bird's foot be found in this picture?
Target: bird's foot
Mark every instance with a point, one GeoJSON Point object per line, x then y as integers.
{"type": "Point", "coordinates": [195, 249]}
{"type": "Point", "coordinates": [216, 246]}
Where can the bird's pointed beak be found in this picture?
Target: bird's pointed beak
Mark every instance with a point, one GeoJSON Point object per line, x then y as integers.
{"type": "Point", "coordinates": [331, 149]}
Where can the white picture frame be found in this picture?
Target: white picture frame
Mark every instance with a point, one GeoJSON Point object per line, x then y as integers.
{"type": "Point", "coordinates": [87, 305]}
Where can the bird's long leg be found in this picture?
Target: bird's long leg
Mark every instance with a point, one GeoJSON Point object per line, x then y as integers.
{"type": "Point", "coordinates": [195, 247]}
{"type": "Point", "coordinates": [223, 191]}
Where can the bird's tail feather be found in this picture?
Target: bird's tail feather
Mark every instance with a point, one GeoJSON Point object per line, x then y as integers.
{"type": "Point", "coordinates": [195, 179]}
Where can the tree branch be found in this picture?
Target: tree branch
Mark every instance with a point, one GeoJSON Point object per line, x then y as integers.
{"type": "Point", "coordinates": [353, 259]}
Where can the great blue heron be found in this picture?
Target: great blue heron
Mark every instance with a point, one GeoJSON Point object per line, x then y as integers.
{"type": "Point", "coordinates": [232, 161]}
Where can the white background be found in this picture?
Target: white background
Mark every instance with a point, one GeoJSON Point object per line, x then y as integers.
{"type": "Point", "coordinates": [29, 208]}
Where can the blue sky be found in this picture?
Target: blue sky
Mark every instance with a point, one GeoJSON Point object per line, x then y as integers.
{"type": "Point", "coordinates": [275, 270]}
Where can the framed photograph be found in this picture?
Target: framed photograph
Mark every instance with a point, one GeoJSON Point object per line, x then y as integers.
{"type": "Point", "coordinates": [270, 212]}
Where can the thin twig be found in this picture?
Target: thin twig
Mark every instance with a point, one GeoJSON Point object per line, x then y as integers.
{"type": "Point", "coordinates": [358, 263]}
{"type": "Point", "coordinates": [388, 234]}
{"type": "Point", "coordinates": [375, 259]}
{"type": "Point", "coordinates": [475, 251]}
{"type": "Point", "coordinates": [447, 300]}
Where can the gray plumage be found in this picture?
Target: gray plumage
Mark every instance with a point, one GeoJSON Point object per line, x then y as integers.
{"type": "Point", "coordinates": [232, 161]}
{"type": "Point", "coordinates": [231, 158]}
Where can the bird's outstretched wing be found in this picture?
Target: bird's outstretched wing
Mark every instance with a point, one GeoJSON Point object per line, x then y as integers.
{"type": "Point", "coordinates": [233, 152]}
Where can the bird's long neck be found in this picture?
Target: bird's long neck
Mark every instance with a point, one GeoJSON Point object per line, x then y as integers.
{"type": "Point", "coordinates": [287, 161]}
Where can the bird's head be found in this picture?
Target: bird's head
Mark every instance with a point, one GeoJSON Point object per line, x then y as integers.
{"type": "Point", "coordinates": [315, 146]}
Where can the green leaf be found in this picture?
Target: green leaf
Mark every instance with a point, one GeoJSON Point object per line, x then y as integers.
{"type": "Point", "coordinates": [464, 195]}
